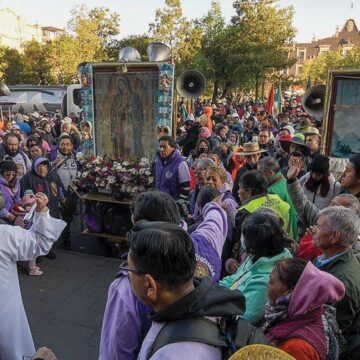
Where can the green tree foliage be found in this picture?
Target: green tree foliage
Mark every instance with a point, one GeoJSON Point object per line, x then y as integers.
{"type": "Point", "coordinates": [139, 42]}
{"type": "Point", "coordinates": [65, 56]}
{"type": "Point", "coordinates": [93, 30]}
{"type": "Point", "coordinates": [260, 32]}
{"type": "Point", "coordinates": [173, 29]}
{"type": "Point", "coordinates": [318, 68]}
{"type": "Point", "coordinates": [37, 67]}
{"type": "Point", "coordinates": [11, 65]}
{"type": "Point", "coordinates": [213, 57]}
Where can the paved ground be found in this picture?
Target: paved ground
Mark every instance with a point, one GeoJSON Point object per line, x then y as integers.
{"type": "Point", "coordinates": [65, 305]}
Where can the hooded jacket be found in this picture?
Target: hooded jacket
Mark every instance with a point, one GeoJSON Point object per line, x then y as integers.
{"type": "Point", "coordinates": [319, 201]}
{"type": "Point", "coordinates": [208, 300]}
{"type": "Point", "coordinates": [314, 289]}
{"type": "Point", "coordinates": [208, 111]}
{"type": "Point", "coordinates": [251, 279]}
{"type": "Point", "coordinates": [50, 185]}
{"type": "Point", "coordinates": [11, 196]}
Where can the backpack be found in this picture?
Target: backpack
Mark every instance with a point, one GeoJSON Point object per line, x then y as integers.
{"type": "Point", "coordinates": [230, 335]}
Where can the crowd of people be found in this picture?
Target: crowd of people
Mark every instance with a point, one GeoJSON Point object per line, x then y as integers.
{"type": "Point", "coordinates": [38, 153]}
{"type": "Point", "coordinates": [267, 220]}
{"type": "Point", "coordinates": [247, 238]}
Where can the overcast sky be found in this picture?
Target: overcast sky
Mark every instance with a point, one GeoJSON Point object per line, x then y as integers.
{"type": "Point", "coordinates": [312, 17]}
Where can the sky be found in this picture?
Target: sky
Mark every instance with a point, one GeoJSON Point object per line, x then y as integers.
{"type": "Point", "coordinates": [317, 18]}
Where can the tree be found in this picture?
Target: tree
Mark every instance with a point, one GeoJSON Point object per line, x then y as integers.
{"type": "Point", "coordinates": [94, 30]}
{"type": "Point", "coordinates": [173, 29]}
{"type": "Point", "coordinates": [64, 59]}
{"type": "Point", "coordinates": [37, 68]}
{"type": "Point", "coordinates": [318, 68]}
{"type": "Point", "coordinates": [260, 32]}
{"type": "Point", "coordinates": [212, 58]}
{"type": "Point", "coordinates": [139, 42]}
{"type": "Point", "coordinates": [11, 65]}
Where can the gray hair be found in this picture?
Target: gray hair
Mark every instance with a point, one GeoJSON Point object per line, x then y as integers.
{"type": "Point", "coordinates": [344, 220]}
{"type": "Point", "coordinates": [268, 163]}
{"type": "Point", "coordinates": [353, 202]}
{"type": "Point", "coordinates": [203, 164]}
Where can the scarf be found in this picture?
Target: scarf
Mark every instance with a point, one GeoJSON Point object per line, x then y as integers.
{"type": "Point", "coordinates": [278, 312]}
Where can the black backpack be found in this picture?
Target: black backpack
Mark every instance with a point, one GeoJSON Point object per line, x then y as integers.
{"type": "Point", "coordinates": [230, 335]}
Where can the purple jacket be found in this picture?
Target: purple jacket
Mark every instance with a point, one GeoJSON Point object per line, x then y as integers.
{"type": "Point", "coordinates": [208, 240]}
{"type": "Point", "coordinates": [124, 315]}
{"type": "Point", "coordinates": [167, 174]}
{"type": "Point", "coordinates": [10, 198]}
{"type": "Point", "coordinates": [122, 322]}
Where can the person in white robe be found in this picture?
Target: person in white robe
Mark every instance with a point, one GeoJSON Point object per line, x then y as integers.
{"type": "Point", "coordinates": [17, 244]}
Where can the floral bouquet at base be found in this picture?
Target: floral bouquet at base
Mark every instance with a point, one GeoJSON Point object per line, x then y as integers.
{"type": "Point", "coordinates": [116, 177]}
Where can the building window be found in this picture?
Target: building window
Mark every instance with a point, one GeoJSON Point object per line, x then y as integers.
{"type": "Point", "coordinates": [299, 70]}
{"type": "Point", "coordinates": [301, 55]}
{"type": "Point", "coordinates": [324, 50]}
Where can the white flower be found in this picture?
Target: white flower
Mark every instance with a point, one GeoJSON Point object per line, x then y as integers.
{"type": "Point", "coordinates": [147, 172]}
{"type": "Point", "coordinates": [141, 188]}
{"type": "Point", "coordinates": [111, 180]}
{"type": "Point", "coordinates": [150, 179]}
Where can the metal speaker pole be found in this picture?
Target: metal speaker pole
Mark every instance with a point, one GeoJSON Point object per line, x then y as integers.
{"type": "Point", "coordinates": [158, 51]}
{"type": "Point", "coordinates": [129, 54]}
{"type": "Point", "coordinates": [191, 84]}
{"type": "Point", "coordinates": [313, 100]}
{"type": "Point", "coordinates": [4, 90]}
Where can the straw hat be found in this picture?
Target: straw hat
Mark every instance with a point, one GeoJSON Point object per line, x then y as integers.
{"type": "Point", "coordinates": [251, 148]}
{"type": "Point", "coordinates": [312, 131]}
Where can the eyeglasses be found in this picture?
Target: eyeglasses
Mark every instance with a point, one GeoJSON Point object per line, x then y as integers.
{"type": "Point", "coordinates": [124, 267]}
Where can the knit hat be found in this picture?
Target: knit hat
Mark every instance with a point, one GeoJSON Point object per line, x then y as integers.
{"type": "Point", "coordinates": [320, 164]}
{"type": "Point", "coordinates": [204, 133]}
{"type": "Point", "coordinates": [7, 165]}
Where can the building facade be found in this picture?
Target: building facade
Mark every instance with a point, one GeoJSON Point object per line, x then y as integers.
{"type": "Point", "coordinates": [343, 40]}
{"type": "Point", "coordinates": [14, 31]}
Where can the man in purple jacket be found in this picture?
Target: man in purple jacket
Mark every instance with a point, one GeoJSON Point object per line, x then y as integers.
{"type": "Point", "coordinates": [124, 322]}
{"type": "Point", "coordinates": [172, 174]}
{"type": "Point", "coordinates": [161, 263]}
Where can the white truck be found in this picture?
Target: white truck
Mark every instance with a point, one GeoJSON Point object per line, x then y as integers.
{"type": "Point", "coordinates": [30, 98]}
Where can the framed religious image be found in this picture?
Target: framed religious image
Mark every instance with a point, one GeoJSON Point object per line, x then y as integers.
{"type": "Point", "coordinates": [125, 104]}
{"type": "Point", "coordinates": [341, 124]}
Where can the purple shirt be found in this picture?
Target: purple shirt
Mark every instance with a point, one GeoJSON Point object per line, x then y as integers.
{"type": "Point", "coordinates": [122, 322]}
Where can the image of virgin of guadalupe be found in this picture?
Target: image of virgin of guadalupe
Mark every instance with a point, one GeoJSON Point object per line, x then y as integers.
{"type": "Point", "coordinates": [127, 121]}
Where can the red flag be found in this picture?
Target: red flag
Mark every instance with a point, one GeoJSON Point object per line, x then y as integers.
{"type": "Point", "coordinates": [270, 101]}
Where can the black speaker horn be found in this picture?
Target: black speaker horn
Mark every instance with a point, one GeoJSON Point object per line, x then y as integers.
{"type": "Point", "coordinates": [313, 100]}
{"type": "Point", "coordinates": [191, 84]}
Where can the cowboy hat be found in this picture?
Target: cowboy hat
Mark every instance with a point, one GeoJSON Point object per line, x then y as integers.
{"type": "Point", "coordinates": [304, 123]}
{"type": "Point", "coordinates": [251, 148]}
{"type": "Point", "coordinates": [297, 139]}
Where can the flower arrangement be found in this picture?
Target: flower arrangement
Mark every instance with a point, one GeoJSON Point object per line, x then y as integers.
{"type": "Point", "coordinates": [117, 177]}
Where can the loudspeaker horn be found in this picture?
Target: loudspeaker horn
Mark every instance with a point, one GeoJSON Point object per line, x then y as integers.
{"type": "Point", "coordinates": [313, 100]}
{"type": "Point", "coordinates": [158, 51]}
{"type": "Point", "coordinates": [129, 54]}
{"type": "Point", "coordinates": [191, 84]}
{"type": "Point", "coordinates": [4, 90]}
